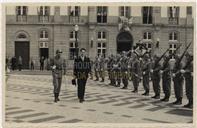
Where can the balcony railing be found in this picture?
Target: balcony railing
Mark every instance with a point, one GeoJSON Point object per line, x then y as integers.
{"type": "Point", "coordinates": [173, 20]}
{"type": "Point", "coordinates": [21, 18]}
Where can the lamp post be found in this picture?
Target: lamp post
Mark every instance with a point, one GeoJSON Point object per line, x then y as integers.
{"type": "Point", "coordinates": [76, 35]}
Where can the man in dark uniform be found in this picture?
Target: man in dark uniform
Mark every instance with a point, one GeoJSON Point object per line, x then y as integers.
{"type": "Point", "coordinates": [187, 71]}
{"type": "Point", "coordinates": [156, 77]}
{"type": "Point", "coordinates": [145, 74]}
{"type": "Point", "coordinates": [135, 73]}
{"type": "Point", "coordinates": [124, 70]}
{"type": "Point", "coordinates": [82, 68]}
{"type": "Point", "coordinates": [166, 78]}
{"type": "Point", "coordinates": [178, 81]}
{"type": "Point", "coordinates": [57, 70]}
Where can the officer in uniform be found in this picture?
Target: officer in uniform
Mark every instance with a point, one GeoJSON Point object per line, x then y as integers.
{"type": "Point", "coordinates": [145, 74]}
{"type": "Point", "coordinates": [57, 70]}
{"type": "Point", "coordinates": [178, 81]}
{"type": "Point", "coordinates": [135, 73]}
{"type": "Point", "coordinates": [187, 71]}
{"type": "Point", "coordinates": [166, 78]}
{"type": "Point", "coordinates": [124, 70]}
{"type": "Point", "coordinates": [156, 77]}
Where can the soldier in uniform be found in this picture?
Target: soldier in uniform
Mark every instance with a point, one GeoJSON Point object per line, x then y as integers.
{"type": "Point", "coordinates": [124, 70]}
{"type": "Point", "coordinates": [116, 72]}
{"type": "Point", "coordinates": [109, 68]}
{"type": "Point", "coordinates": [145, 74]}
{"type": "Point", "coordinates": [96, 68]}
{"type": "Point", "coordinates": [135, 73]}
{"type": "Point", "coordinates": [101, 68]}
{"type": "Point", "coordinates": [57, 70]}
{"type": "Point", "coordinates": [187, 71]}
{"type": "Point", "coordinates": [178, 81]}
{"type": "Point", "coordinates": [166, 78]}
{"type": "Point", "coordinates": [156, 66]}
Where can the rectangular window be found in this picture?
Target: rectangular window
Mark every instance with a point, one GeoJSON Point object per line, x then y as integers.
{"type": "Point", "coordinates": [173, 36]}
{"type": "Point", "coordinates": [101, 35]}
{"type": "Point", "coordinates": [172, 48]}
{"type": "Point", "coordinates": [21, 10]}
{"type": "Point", "coordinates": [173, 15]}
{"type": "Point", "coordinates": [101, 49]}
{"type": "Point", "coordinates": [189, 10]}
{"type": "Point", "coordinates": [147, 36]}
{"type": "Point", "coordinates": [73, 35]}
{"type": "Point", "coordinates": [21, 13]}
{"type": "Point", "coordinates": [147, 15]}
{"type": "Point", "coordinates": [74, 11]}
{"type": "Point", "coordinates": [44, 12]}
{"type": "Point", "coordinates": [102, 14]}
{"type": "Point", "coordinates": [125, 11]}
{"type": "Point", "coordinates": [43, 44]}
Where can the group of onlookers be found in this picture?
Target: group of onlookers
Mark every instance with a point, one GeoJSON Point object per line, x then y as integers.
{"type": "Point", "coordinates": [15, 63]}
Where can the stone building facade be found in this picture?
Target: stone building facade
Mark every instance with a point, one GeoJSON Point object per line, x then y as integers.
{"type": "Point", "coordinates": [35, 31]}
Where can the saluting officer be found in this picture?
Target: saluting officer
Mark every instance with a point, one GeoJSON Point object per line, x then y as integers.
{"type": "Point", "coordinates": [145, 74]}
{"type": "Point", "coordinates": [156, 77]}
{"type": "Point", "coordinates": [187, 71]}
{"type": "Point", "coordinates": [135, 73]}
{"type": "Point", "coordinates": [178, 81]}
{"type": "Point", "coordinates": [57, 70]}
{"type": "Point", "coordinates": [166, 78]}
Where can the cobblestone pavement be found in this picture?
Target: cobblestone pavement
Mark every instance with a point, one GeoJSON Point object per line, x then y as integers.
{"type": "Point", "coordinates": [29, 99]}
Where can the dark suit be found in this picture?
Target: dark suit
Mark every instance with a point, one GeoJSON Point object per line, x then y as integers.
{"type": "Point", "coordinates": [81, 70]}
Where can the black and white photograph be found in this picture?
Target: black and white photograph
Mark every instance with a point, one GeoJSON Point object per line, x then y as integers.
{"type": "Point", "coordinates": [71, 63]}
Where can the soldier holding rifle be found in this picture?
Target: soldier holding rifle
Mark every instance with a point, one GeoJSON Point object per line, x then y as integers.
{"type": "Point", "coordinates": [166, 78]}
{"type": "Point", "coordinates": [145, 74]}
{"type": "Point", "coordinates": [156, 76]}
{"type": "Point", "coordinates": [187, 71]}
{"type": "Point", "coordinates": [135, 73]}
{"type": "Point", "coordinates": [178, 78]}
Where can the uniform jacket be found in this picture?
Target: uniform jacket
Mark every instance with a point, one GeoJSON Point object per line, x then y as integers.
{"type": "Point", "coordinates": [58, 64]}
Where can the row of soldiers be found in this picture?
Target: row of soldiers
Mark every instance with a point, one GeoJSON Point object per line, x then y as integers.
{"type": "Point", "coordinates": [125, 67]}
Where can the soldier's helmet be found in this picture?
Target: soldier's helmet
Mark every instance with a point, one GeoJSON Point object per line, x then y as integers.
{"type": "Point", "coordinates": [189, 55]}
{"type": "Point", "coordinates": [156, 56]}
{"type": "Point", "coordinates": [146, 56]}
{"type": "Point", "coordinates": [177, 56]}
{"type": "Point", "coordinates": [58, 51]}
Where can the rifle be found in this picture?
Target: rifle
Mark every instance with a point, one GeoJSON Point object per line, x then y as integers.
{"type": "Point", "coordinates": [160, 58]}
{"type": "Point", "coordinates": [179, 61]}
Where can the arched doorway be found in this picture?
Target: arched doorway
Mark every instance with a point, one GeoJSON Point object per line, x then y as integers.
{"type": "Point", "coordinates": [22, 48]}
{"type": "Point", "coordinates": [124, 41]}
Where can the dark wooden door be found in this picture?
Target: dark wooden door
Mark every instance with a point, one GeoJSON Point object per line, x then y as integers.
{"type": "Point", "coordinates": [22, 49]}
{"type": "Point", "coordinates": [124, 41]}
